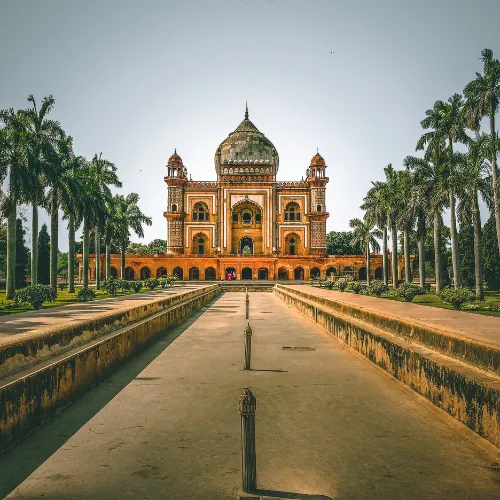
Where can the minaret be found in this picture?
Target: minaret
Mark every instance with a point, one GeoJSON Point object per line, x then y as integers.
{"type": "Point", "coordinates": [318, 215]}
{"type": "Point", "coordinates": [176, 178]}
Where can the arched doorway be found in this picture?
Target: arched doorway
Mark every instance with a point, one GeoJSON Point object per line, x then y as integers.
{"type": "Point", "coordinates": [347, 271]}
{"type": "Point", "coordinates": [282, 273]}
{"type": "Point", "coordinates": [129, 274]}
{"type": "Point", "coordinates": [315, 273]}
{"type": "Point", "coordinates": [330, 272]}
{"type": "Point", "coordinates": [298, 273]}
{"type": "Point", "coordinates": [200, 244]}
{"type": "Point", "coordinates": [210, 274]}
{"type": "Point", "coordinates": [246, 273]}
{"type": "Point", "coordinates": [230, 273]}
{"type": "Point", "coordinates": [379, 273]}
{"type": "Point", "coordinates": [145, 273]}
{"type": "Point", "coordinates": [194, 273]}
{"type": "Point", "coordinates": [263, 274]}
{"type": "Point", "coordinates": [161, 271]}
{"type": "Point", "coordinates": [178, 272]}
{"type": "Point", "coordinates": [292, 244]}
{"type": "Point", "coordinates": [362, 273]}
{"type": "Point", "coordinates": [246, 246]}
{"type": "Point", "coordinates": [113, 272]}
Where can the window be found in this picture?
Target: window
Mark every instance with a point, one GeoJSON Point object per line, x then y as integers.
{"type": "Point", "coordinates": [201, 246]}
{"type": "Point", "coordinates": [292, 212]}
{"type": "Point", "coordinates": [318, 208]}
{"type": "Point", "coordinates": [292, 246]}
{"type": "Point", "coordinates": [174, 208]}
{"type": "Point", "coordinates": [235, 217]}
{"type": "Point", "coordinates": [258, 218]}
{"type": "Point", "coordinates": [246, 218]}
{"type": "Point", "coordinates": [200, 212]}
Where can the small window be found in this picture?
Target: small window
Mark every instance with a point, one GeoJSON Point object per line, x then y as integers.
{"type": "Point", "coordinates": [318, 208]}
{"type": "Point", "coordinates": [174, 208]}
{"type": "Point", "coordinates": [258, 219]}
{"type": "Point", "coordinates": [235, 217]}
{"type": "Point", "coordinates": [246, 218]}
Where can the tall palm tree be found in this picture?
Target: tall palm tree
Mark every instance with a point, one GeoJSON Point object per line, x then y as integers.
{"type": "Point", "coordinates": [41, 135]}
{"type": "Point", "coordinates": [13, 170]}
{"type": "Point", "coordinates": [376, 214]}
{"type": "Point", "coordinates": [475, 180]}
{"type": "Point", "coordinates": [406, 217]}
{"type": "Point", "coordinates": [482, 98]}
{"type": "Point", "coordinates": [364, 234]}
{"type": "Point", "coordinates": [129, 217]}
{"type": "Point", "coordinates": [111, 229]}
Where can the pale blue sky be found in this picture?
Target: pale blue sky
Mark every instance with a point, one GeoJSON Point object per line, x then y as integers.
{"type": "Point", "coordinates": [134, 80]}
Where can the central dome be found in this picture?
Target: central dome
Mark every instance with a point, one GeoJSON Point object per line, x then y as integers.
{"type": "Point", "coordinates": [247, 146]}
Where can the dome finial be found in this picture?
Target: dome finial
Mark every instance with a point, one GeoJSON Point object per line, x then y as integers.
{"type": "Point", "coordinates": [175, 151]}
{"type": "Point", "coordinates": [317, 150]}
{"type": "Point", "coordinates": [246, 110]}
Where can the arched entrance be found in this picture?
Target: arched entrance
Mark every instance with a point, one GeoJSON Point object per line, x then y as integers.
{"type": "Point", "coordinates": [263, 274]}
{"type": "Point", "coordinates": [246, 273]}
{"type": "Point", "coordinates": [298, 273]}
{"type": "Point", "coordinates": [246, 246]}
{"type": "Point", "coordinates": [292, 244]}
{"type": "Point", "coordinates": [161, 271]}
{"type": "Point", "coordinates": [129, 274]}
{"type": "Point", "coordinates": [145, 273]}
{"type": "Point", "coordinates": [362, 274]}
{"type": "Point", "coordinates": [315, 273]}
{"type": "Point", "coordinates": [347, 271]}
{"type": "Point", "coordinates": [194, 273]}
{"type": "Point", "coordinates": [282, 274]}
{"type": "Point", "coordinates": [178, 272]}
{"type": "Point", "coordinates": [331, 271]}
{"type": "Point", "coordinates": [230, 273]}
{"type": "Point", "coordinates": [379, 273]}
{"type": "Point", "coordinates": [210, 274]}
{"type": "Point", "coordinates": [113, 272]}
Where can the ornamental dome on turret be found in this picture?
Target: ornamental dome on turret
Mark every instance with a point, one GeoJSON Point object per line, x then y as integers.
{"type": "Point", "coordinates": [318, 161]}
{"type": "Point", "coordinates": [247, 146]}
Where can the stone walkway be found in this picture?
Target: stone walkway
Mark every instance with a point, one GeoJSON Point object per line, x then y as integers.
{"type": "Point", "coordinates": [330, 425]}
{"type": "Point", "coordinates": [44, 319]}
{"type": "Point", "coordinates": [474, 326]}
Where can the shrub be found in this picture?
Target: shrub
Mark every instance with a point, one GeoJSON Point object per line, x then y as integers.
{"type": "Point", "coordinates": [163, 282]}
{"type": "Point", "coordinates": [408, 291]}
{"type": "Point", "coordinates": [457, 297]}
{"type": "Point", "coordinates": [377, 288]}
{"type": "Point", "coordinates": [85, 294]}
{"type": "Point", "coordinates": [151, 283]}
{"type": "Point", "coordinates": [171, 280]}
{"type": "Point", "coordinates": [35, 295]}
{"type": "Point", "coordinates": [355, 286]}
{"type": "Point", "coordinates": [111, 285]}
{"type": "Point", "coordinates": [136, 286]}
{"type": "Point", "coordinates": [341, 285]}
{"type": "Point", "coordinates": [125, 285]}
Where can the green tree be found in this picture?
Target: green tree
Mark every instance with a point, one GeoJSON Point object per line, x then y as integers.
{"type": "Point", "coordinates": [364, 235]}
{"type": "Point", "coordinates": [482, 99]}
{"type": "Point", "coordinates": [339, 243]}
{"type": "Point", "coordinates": [3, 248]}
{"type": "Point", "coordinates": [466, 248]}
{"type": "Point", "coordinates": [22, 255]}
{"type": "Point", "coordinates": [44, 256]}
{"type": "Point", "coordinates": [490, 254]}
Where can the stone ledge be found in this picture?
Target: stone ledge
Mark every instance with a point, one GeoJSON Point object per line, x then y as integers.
{"type": "Point", "coordinates": [464, 391]}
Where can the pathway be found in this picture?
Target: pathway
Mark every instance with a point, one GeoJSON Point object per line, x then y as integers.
{"type": "Point", "coordinates": [329, 423]}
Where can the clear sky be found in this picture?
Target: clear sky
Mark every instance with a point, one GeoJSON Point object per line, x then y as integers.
{"type": "Point", "coordinates": [136, 79]}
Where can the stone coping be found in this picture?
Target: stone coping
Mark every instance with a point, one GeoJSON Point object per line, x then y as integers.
{"type": "Point", "coordinates": [468, 337]}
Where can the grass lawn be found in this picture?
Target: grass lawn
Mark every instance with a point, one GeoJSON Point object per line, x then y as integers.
{"type": "Point", "coordinates": [63, 298]}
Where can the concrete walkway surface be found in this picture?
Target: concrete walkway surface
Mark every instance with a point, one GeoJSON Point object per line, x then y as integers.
{"type": "Point", "coordinates": [474, 326]}
{"type": "Point", "coordinates": [44, 319]}
{"type": "Point", "coordinates": [330, 424]}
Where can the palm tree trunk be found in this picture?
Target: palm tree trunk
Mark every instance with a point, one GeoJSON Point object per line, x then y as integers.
{"type": "Point", "coordinates": [494, 177]}
{"type": "Point", "coordinates": [85, 254]}
{"type": "Point", "coordinates": [406, 249]}
{"type": "Point", "coordinates": [71, 254]}
{"type": "Point", "coordinates": [122, 262]}
{"type": "Point", "coordinates": [368, 265]}
{"type": "Point", "coordinates": [421, 259]}
{"type": "Point", "coordinates": [108, 261]}
{"type": "Point", "coordinates": [394, 241]}
{"type": "Point", "coordinates": [385, 260]}
{"type": "Point", "coordinates": [437, 250]}
{"type": "Point", "coordinates": [97, 259]}
{"type": "Point", "coordinates": [54, 238]}
{"type": "Point", "coordinates": [34, 245]}
{"type": "Point", "coordinates": [478, 252]}
{"type": "Point", "coordinates": [454, 240]}
{"type": "Point", "coordinates": [11, 253]}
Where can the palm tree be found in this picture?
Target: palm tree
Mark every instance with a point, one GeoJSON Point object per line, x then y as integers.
{"type": "Point", "coordinates": [475, 180]}
{"type": "Point", "coordinates": [111, 229]}
{"type": "Point", "coordinates": [41, 136]}
{"type": "Point", "coordinates": [364, 234]}
{"type": "Point", "coordinates": [376, 214]}
{"type": "Point", "coordinates": [13, 170]}
{"type": "Point", "coordinates": [482, 98]}
{"type": "Point", "coordinates": [406, 217]}
{"type": "Point", "coordinates": [129, 217]}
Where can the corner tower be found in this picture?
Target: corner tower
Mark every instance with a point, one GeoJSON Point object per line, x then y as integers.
{"type": "Point", "coordinates": [176, 178]}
